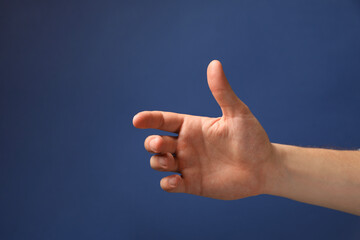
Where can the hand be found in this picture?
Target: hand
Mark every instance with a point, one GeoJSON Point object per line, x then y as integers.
{"type": "Point", "coordinates": [229, 157]}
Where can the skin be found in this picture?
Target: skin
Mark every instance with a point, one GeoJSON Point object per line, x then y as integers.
{"type": "Point", "coordinates": [231, 157]}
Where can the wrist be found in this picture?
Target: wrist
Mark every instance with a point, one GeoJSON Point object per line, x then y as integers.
{"type": "Point", "coordinates": [275, 172]}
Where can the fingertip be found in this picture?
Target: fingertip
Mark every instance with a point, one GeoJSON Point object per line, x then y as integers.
{"type": "Point", "coordinates": [213, 65]}
{"type": "Point", "coordinates": [170, 183]}
{"type": "Point", "coordinates": [215, 61]}
{"type": "Point", "coordinates": [138, 119]}
{"type": "Point", "coordinates": [134, 120]}
{"type": "Point", "coordinates": [214, 73]}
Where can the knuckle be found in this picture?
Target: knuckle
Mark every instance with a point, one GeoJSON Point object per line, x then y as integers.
{"type": "Point", "coordinates": [245, 108]}
{"type": "Point", "coordinates": [182, 145]}
{"type": "Point", "coordinates": [162, 120]}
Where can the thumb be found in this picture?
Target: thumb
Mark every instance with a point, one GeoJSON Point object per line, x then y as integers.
{"type": "Point", "coordinates": [229, 103]}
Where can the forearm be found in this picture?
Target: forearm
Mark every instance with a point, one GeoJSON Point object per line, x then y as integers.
{"type": "Point", "coordinates": [324, 177]}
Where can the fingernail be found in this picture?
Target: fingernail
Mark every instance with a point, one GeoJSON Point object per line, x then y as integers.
{"type": "Point", "coordinates": [162, 161]}
{"type": "Point", "coordinates": [173, 181]}
{"type": "Point", "coordinates": [152, 145]}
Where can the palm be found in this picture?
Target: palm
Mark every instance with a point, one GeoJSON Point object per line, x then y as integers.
{"type": "Point", "coordinates": [220, 158]}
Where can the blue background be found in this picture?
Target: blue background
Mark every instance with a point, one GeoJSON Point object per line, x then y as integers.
{"type": "Point", "coordinates": [73, 74]}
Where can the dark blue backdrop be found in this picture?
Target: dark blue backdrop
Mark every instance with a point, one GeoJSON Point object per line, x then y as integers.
{"type": "Point", "coordinates": [73, 74]}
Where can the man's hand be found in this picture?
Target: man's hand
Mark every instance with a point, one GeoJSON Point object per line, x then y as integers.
{"type": "Point", "coordinates": [229, 157]}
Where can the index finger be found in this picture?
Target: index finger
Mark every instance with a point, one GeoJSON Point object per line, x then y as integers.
{"type": "Point", "coordinates": [166, 121]}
